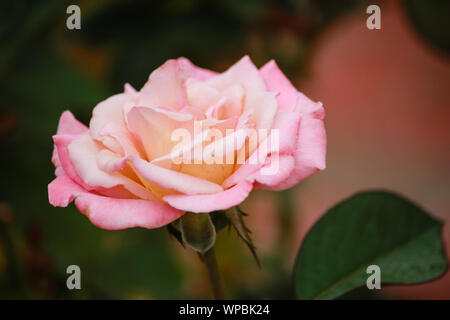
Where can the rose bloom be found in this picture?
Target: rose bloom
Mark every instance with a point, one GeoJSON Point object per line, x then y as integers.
{"type": "Point", "coordinates": [120, 171]}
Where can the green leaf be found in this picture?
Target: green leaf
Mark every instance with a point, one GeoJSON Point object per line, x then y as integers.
{"type": "Point", "coordinates": [370, 228]}
{"type": "Point", "coordinates": [198, 231]}
{"type": "Point", "coordinates": [235, 216]}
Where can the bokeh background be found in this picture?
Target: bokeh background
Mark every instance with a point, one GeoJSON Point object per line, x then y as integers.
{"type": "Point", "coordinates": [386, 94]}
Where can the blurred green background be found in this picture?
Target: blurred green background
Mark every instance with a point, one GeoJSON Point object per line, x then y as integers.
{"type": "Point", "coordinates": [46, 68]}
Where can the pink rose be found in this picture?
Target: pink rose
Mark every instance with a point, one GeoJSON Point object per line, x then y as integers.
{"type": "Point", "coordinates": [121, 170]}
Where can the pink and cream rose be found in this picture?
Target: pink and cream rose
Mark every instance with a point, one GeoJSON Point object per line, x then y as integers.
{"type": "Point", "coordinates": [121, 171]}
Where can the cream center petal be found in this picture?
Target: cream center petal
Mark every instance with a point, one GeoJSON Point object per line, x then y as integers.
{"type": "Point", "coordinates": [162, 181]}
{"type": "Point", "coordinates": [201, 95]}
{"type": "Point", "coordinates": [234, 105]}
{"type": "Point", "coordinates": [223, 117]}
{"type": "Point", "coordinates": [157, 190]}
{"type": "Point", "coordinates": [215, 99]}
{"type": "Point", "coordinates": [216, 173]}
{"type": "Point", "coordinates": [154, 128]}
{"type": "Point", "coordinates": [217, 159]}
{"type": "Point", "coordinates": [235, 99]}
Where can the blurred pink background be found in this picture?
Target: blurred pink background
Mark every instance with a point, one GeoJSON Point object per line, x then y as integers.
{"type": "Point", "coordinates": [385, 93]}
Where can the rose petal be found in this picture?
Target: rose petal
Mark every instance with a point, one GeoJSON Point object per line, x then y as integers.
{"type": "Point", "coordinates": [61, 143]}
{"type": "Point", "coordinates": [201, 95]}
{"type": "Point", "coordinates": [83, 153]}
{"type": "Point", "coordinates": [173, 180]}
{"type": "Point", "coordinates": [287, 124]}
{"type": "Point", "coordinates": [310, 153]}
{"type": "Point", "coordinates": [277, 169]}
{"type": "Point", "coordinates": [154, 128]}
{"type": "Point", "coordinates": [128, 88]}
{"type": "Point", "coordinates": [194, 71]}
{"type": "Point", "coordinates": [108, 213]}
{"type": "Point", "coordinates": [62, 190]}
{"type": "Point", "coordinates": [165, 87]}
{"type": "Point", "coordinates": [264, 106]}
{"type": "Point", "coordinates": [107, 111]}
{"type": "Point", "coordinates": [224, 146]}
{"type": "Point", "coordinates": [128, 145]}
{"type": "Point", "coordinates": [308, 108]}
{"type": "Point", "coordinates": [276, 81]}
{"type": "Point", "coordinates": [67, 125]}
{"type": "Point", "coordinates": [211, 202]}
{"type": "Point", "coordinates": [110, 162]}
{"type": "Point", "coordinates": [242, 72]}
{"type": "Point", "coordinates": [257, 97]}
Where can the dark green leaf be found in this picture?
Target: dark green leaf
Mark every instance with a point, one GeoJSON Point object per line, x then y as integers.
{"type": "Point", "coordinates": [370, 228]}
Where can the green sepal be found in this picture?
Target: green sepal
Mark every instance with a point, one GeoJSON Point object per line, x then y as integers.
{"type": "Point", "coordinates": [198, 231]}
{"type": "Point", "coordinates": [174, 231]}
{"type": "Point", "coordinates": [235, 216]}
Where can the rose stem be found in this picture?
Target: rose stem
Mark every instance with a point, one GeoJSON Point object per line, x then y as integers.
{"type": "Point", "coordinates": [214, 274]}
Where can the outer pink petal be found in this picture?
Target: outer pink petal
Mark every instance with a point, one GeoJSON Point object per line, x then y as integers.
{"type": "Point", "coordinates": [83, 154]}
{"type": "Point", "coordinates": [276, 81]}
{"type": "Point", "coordinates": [165, 87]}
{"type": "Point", "coordinates": [116, 214]}
{"type": "Point", "coordinates": [128, 88]}
{"type": "Point", "coordinates": [56, 162]}
{"type": "Point", "coordinates": [242, 72]}
{"type": "Point", "coordinates": [107, 111]}
{"type": "Point", "coordinates": [109, 213]}
{"type": "Point", "coordinates": [67, 125]}
{"type": "Point", "coordinates": [309, 108]}
{"type": "Point", "coordinates": [276, 171]}
{"type": "Point", "coordinates": [211, 202]}
{"type": "Point", "coordinates": [62, 190]}
{"type": "Point", "coordinates": [310, 154]}
{"type": "Point", "coordinates": [194, 71]}
{"type": "Point", "coordinates": [61, 143]}
{"type": "Point", "coordinates": [287, 124]}
{"type": "Point", "coordinates": [120, 187]}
